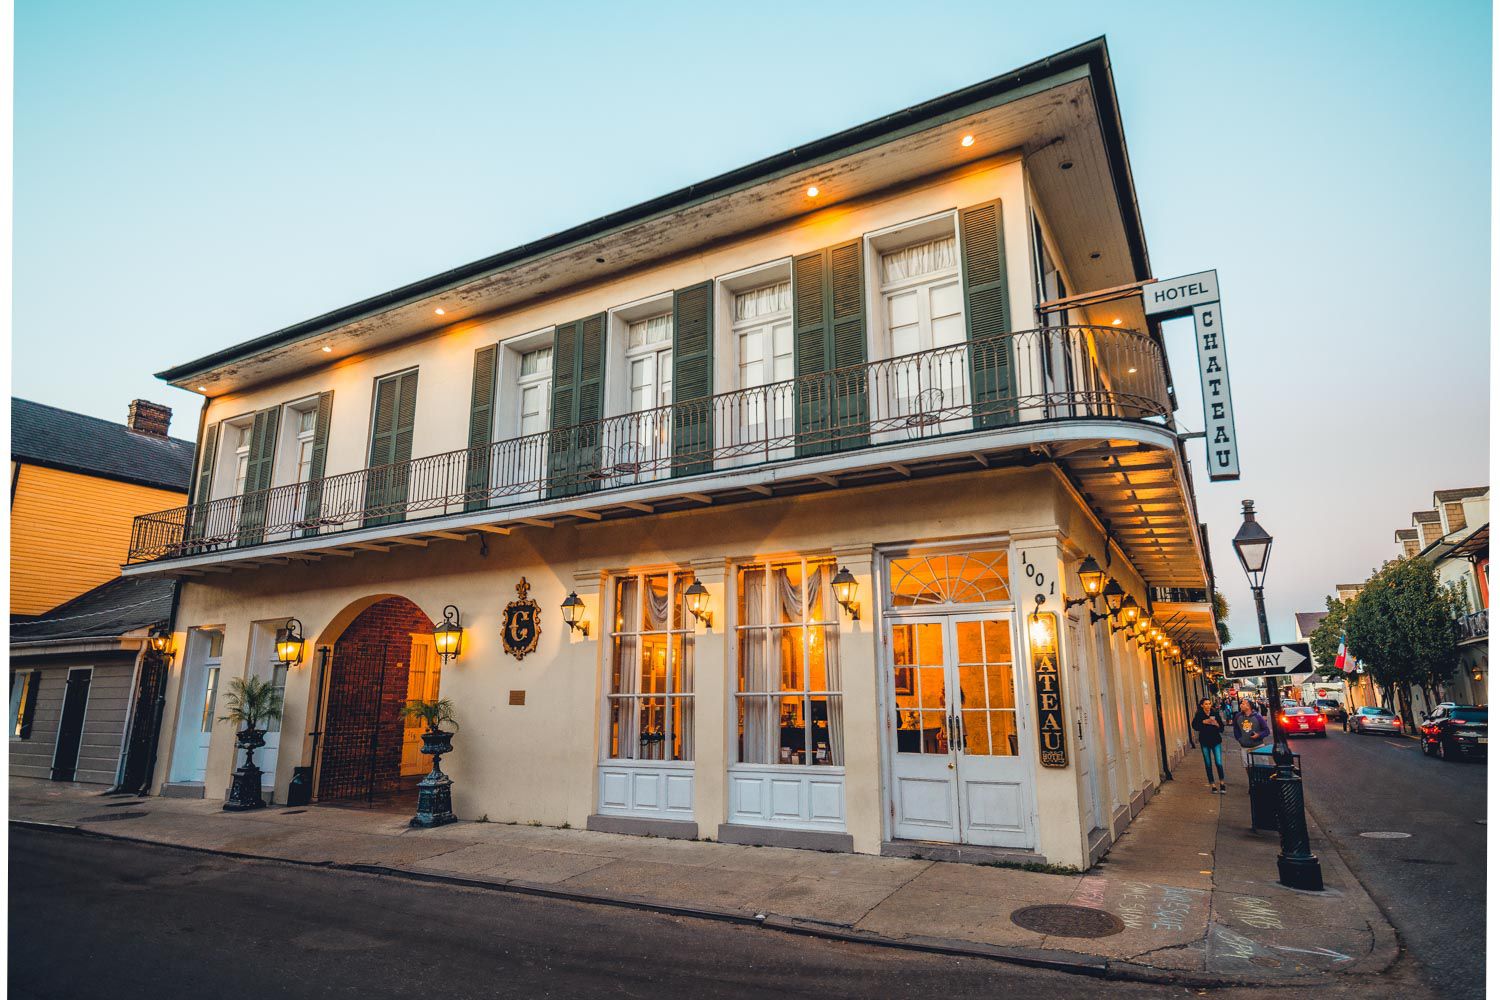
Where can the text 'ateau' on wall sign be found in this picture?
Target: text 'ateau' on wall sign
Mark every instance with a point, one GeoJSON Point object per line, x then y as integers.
{"type": "Point", "coordinates": [1197, 295]}
{"type": "Point", "coordinates": [521, 625]}
{"type": "Point", "coordinates": [1051, 725]}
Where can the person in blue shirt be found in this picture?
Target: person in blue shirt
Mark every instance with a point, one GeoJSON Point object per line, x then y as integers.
{"type": "Point", "coordinates": [1251, 730]}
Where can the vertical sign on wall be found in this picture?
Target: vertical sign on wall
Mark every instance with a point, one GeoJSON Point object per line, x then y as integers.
{"type": "Point", "coordinates": [1051, 727]}
{"type": "Point", "coordinates": [1198, 295]}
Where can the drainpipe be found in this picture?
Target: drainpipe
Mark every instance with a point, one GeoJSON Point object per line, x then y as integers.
{"type": "Point", "coordinates": [1161, 728]}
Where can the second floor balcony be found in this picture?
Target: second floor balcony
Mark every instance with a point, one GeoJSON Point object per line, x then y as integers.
{"type": "Point", "coordinates": [1473, 626]}
{"type": "Point", "coordinates": [945, 409]}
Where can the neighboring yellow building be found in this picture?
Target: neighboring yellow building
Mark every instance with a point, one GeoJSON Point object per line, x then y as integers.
{"type": "Point", "coordinates": [77, 484]}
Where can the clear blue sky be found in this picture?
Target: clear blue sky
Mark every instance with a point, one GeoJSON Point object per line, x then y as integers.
{"type": "Point", "coordinates": [191, 175]}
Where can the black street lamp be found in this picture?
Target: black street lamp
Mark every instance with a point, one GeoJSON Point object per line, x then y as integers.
{"type": "Point", "coordinates": [1297, 865]}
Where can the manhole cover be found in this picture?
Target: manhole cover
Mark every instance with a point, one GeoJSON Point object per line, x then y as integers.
{"type": "Point", "coordinates": [108, 817]}
{"type": "Point", "coordinates": [1385, 835]}
{"type": "Point", "coordinates": [1067, 921]}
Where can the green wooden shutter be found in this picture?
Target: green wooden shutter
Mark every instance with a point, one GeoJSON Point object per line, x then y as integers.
{"type": "Point", "coordinates": [481, 428]}
{"type": "Point", "coordinates": [312, 501]}
{"type": "Point", "coordinates": [846, 283]}
{"type": "Point", "coordinates": [208, 456]}
{"type": "Point", "coordinates": [577, 406]}
{"type": "Point", "coordinates": [390, 448]}
{"type": "Point", "coordinates": [981, 235]}
{"type": "Point", "coordinates": [810, 352]}
{"type": "Point", "coordinates": [828, 331]}
{"type": "Point", "coordinates": [262, 460]}
{"type": "Point", "coordinates": [692, 380]}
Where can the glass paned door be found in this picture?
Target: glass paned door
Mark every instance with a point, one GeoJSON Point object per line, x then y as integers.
{"type": "Point", "coordinates": [959, 772]}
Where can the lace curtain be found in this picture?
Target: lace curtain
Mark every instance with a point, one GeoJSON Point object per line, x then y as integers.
{"type": "Point", "coordinates": [767, 301]}
{"type": "Point", "coordinates": [627, 669]}
{"type": "Point", "coordinates": [656, 330]}
{"type": "Point", "coordinates": [924, 258]}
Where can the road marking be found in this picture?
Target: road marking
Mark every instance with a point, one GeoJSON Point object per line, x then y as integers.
{"type": "Point", "coordinates": [1337, 956]}
{"type": "Point", "coordinates": [1385, 835]}
{"type": "Point", "coordinates": [1398, 746]}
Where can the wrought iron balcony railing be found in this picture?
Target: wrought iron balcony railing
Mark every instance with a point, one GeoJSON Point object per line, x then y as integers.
{"type": "Point", "coordinates": [1475, 625]}
{"type": "Point", "coordinates": [1062, 373]}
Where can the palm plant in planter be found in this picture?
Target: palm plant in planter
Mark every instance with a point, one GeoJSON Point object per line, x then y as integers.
{"type": "Point", "coordinates": [434, 792]}
{"type": "Point", "coordinates": [251, 703]}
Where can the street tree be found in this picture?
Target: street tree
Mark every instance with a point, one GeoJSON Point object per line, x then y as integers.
{"type": "Point", "coordinates": [1221, 617]}
{"type": "Point", "coordinates": [1324, 640]}
{"type": "Point", "coordinates": [1401, 626]}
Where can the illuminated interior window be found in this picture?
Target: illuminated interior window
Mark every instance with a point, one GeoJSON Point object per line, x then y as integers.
{"type": "Point", "coordinates": [954, 578]}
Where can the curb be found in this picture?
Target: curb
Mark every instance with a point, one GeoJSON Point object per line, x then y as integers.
{"type": "Point", "coordinates": [1050, 959]}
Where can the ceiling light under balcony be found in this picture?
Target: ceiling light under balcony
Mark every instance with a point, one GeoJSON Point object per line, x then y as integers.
{"type": "Point", "coordinates": [203, 388]}
{"type": "Point", "coordinates": [812, 192]}
{"type": "Point", "coordinates": [441, 311]}
{"type": "Point", "coordinates": [1116, 321]}
{"type": "Point", "coordinates": [966, 141]}
{"type": "Point", "coordinates": [327, 349]}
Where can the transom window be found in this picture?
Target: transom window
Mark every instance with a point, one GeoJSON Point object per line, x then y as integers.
{"type": "Point", "coordinates": [650, 699]}
{"type": "Point", "coordinates": [953, 578]}
{"type": "Point", "coordinates": [789, 700]}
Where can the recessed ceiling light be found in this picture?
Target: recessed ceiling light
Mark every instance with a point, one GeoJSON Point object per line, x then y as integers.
{"type": "Point", "coordinates": [1116, 321]}
{"type": "Point", "coordinates": [1131, 372]}
{"type": "Point", "coordinates": [967, 140]}
{"type": "Point", "coordinates": [327, 349]}
{"type": "Point", "coordinates": [1066, 165]}
{"type": "Point", "coordinates": [440, 311]}
{"type": "Point", "coordinates": [812, 192]}
{"type": "Point", "coordinates": [203, 388]}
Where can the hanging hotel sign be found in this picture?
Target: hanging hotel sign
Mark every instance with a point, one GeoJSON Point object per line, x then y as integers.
{"type": "Point", "coordinates": [1051, 726]}
{"type": "Point", "coordinates": [1198, 295]}
{"type": "Point", "coordinates": [521, 625]}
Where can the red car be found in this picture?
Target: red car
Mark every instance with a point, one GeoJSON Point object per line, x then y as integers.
{"type": "Point", "coordinates": [1301, 720]}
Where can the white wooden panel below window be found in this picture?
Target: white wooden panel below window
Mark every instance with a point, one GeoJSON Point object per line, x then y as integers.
{"type": "Point", "coordinates": [646, 791]}
{"type": "Point", "coordinates": [799, 798]}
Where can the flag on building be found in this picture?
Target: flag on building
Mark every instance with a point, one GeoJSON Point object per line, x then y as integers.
{"type": "Point", "coordinates": [1343, 662]}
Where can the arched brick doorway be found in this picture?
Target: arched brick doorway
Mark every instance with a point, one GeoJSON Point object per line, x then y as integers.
{"type": "Point", "coordinates": [380, 661]}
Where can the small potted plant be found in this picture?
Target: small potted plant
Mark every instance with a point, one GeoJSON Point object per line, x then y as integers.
{"type": "Point", "coordinates": [251, 703]}
{"type": "Point", "coordinates": [434, 792]}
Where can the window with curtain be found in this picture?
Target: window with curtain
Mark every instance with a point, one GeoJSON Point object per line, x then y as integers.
{"type": "Point", "coordinates": [763, 350]}
{"type": "Point", "coordinates": [789, 695]}
{"type": "Point", "coordinates": [650, 698]}
{"type": "Point", "coordinates": [923, 296]}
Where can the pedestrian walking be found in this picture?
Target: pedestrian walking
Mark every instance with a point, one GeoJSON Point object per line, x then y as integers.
{"type": "Point", "coordinates": [1251, 730]}
{"type": "Point", "coordinates": [1210, 732]}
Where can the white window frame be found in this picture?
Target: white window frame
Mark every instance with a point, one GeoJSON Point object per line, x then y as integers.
{"type": "Point", "coordinates": [685, 630]}
{"type": "Point", "coordinates": [891, 238]}
{"type": "Point", "coordinates": [736, 426]}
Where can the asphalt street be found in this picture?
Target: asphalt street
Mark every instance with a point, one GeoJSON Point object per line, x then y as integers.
{"type": "Point", "coordinates": [93, 918]}
{"type": "Point", "coordinates": [1431, 883]}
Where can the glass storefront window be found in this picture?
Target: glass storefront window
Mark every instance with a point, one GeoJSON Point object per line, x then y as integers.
{"type": "Point", "coordinates": [954, 578]}
{"type": "Point", "coordinates": [650, 699]}
{"type": "Point", "coordinates": [788, 698]}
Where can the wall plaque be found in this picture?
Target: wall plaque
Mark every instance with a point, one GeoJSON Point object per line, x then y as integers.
{"type": "Point", "coordinates": [521, 625]}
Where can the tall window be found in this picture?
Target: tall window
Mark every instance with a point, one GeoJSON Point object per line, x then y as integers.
{"type": "Point", "coordinates": [650, 700]}
{"type": "Point", "coordinates": [789, 695]}
{"type": "Point", "coordinates": [534, 385]}
{"type": "Point", "coordinates": [648, 355]}
{"type": "Point", "coordinates": [22, 702]}
{"type": "Point", "coordinates": [307, 423]}
{"type": "Point", "coordinates": [241, 455]}
{"type": "Point", "coordinates": [923, 297]}
{"type": "Point", "coordinates": [212, 661]}
{"type": "Point", "coordinates": [763, 351]}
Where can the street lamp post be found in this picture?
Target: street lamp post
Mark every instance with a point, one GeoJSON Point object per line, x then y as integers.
{"type": "Point", "coordinates": [1297, 865]}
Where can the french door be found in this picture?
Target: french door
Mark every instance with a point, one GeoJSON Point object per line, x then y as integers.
{"type": "Point", "coordinates": [958, 771]}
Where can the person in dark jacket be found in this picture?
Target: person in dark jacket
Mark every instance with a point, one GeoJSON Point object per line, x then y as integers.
{"type": "Point", "coordinates": [1211, 741]}
{"type": "Point", "coordinates": [1250, 727]}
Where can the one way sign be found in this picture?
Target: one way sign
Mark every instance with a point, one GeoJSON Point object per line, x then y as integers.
{"type": "Point", "coordinates": [1268, 661]}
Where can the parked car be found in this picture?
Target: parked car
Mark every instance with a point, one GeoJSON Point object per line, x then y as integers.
{"type": "Point", "coordinates": [1455, 732]}
{"type": "Point", "coordinates": [1303, 720]}
{"type": "Point", "coordinates": [1372, 719]}
{"type": "Point", "coordinates": [1332, 709]}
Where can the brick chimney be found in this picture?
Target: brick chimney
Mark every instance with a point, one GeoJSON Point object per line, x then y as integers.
{"type": "Point", "coordinates": [149, 418]}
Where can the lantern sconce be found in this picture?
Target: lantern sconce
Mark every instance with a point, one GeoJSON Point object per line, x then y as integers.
{"type": "Point", "coordinates": [572, 612]}
{"type": "Point", "coordinates": [845, 589]}
{"type": "Point", "coordinates": [697, 603]}
{"type": "Point", "coordinates": [1043, 630]}
{"type": "Point", "coordinates": [1113, 594]}
{"type": "Point", "coordinates": [1127, 616]}
{"type": "Point", "coordinates": [289, 643]}
{"type": "Point", "coordinates": [1477, 673]}
{"type": "Point", "coordinates": [448, 637]}
{"type": "Point", "coordinates": [160, 640]}
{"type": "Point", "coordinates": [1092, 578]}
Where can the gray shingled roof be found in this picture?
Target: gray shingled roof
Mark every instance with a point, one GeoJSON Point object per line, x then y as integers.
{"type": "Point", "coordinates": [111, 609]}
{"type": "Point", "coordinates": [1308, 620]}
{"type": "Point", "coordinates": [1424, 516]}
{"type": "Point", "coordinates": [46, 435]}
{"type": "Point", "coordinates": [1444, 496]}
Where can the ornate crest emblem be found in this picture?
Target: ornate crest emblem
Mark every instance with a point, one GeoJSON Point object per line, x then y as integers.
{"type": "Point", "coordinates": [521, 625]}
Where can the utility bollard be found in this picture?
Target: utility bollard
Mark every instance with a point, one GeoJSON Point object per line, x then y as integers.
{"type": "Point", "coordinates": [1296, 865]}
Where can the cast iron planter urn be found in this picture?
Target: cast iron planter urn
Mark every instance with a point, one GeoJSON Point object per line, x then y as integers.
{"type": "Point", "coordinates": [244, 791]}
{"type": "Point", "coordinates": [435, 792]}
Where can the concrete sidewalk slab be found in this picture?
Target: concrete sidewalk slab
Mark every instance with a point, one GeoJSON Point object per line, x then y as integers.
{"type": "Point", "coordinates": [1192, 886]}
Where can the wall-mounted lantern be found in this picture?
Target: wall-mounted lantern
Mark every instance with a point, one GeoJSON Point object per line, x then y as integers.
{"type": "Point", "coordinates": [1043, 629]}
{"type": "Point", "coordinates": [1130, 612]}
{"type": "Point", "coordinates": [845, 589]}
{"type": "Point", "coordinates": [697, 602]}
{"type": "Point", "coordinates": [572, 612]}
{"type": "Point", "coordinates": [448, 638]}
{"type": "Point", "coordinates": [289, 643]}
{"type": "Point", "coordinates": [160, 639]}
{"type": "Point", "coordinates": [1092, 578]}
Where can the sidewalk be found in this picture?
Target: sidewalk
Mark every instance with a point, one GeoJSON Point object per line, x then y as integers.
{"type": "Point", "coordinates": [1192, 890]}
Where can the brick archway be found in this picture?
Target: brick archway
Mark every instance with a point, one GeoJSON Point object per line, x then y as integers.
{"type": "Point", "coordinates": [368, 678]}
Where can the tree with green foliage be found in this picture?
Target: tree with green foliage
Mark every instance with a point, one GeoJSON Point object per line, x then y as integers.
{"type": "Point", "coordinates": [1325, 638]}
{"type": "Point", "coordinates": [1401, 627]}
{"type": "Point", "coordinates": [1221, 617]}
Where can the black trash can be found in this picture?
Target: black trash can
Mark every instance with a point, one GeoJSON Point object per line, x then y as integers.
{"type": "Point", "coordinates": [1264, 801]}
{"type": "Point", "coordinates": [299, 791]}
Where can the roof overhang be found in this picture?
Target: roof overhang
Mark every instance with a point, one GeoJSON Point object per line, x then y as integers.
{"type": "Point", "coordinates": [1059, 109]}
{"type": "Point", "coordinates": [130, 643]}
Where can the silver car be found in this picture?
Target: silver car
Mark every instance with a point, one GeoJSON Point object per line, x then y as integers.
{"type": "Point", "coordinates": [1374, 720]}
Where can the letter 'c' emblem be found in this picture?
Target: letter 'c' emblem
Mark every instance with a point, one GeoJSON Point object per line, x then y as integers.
{"type": "Point", "coordinates": [521, 625]}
